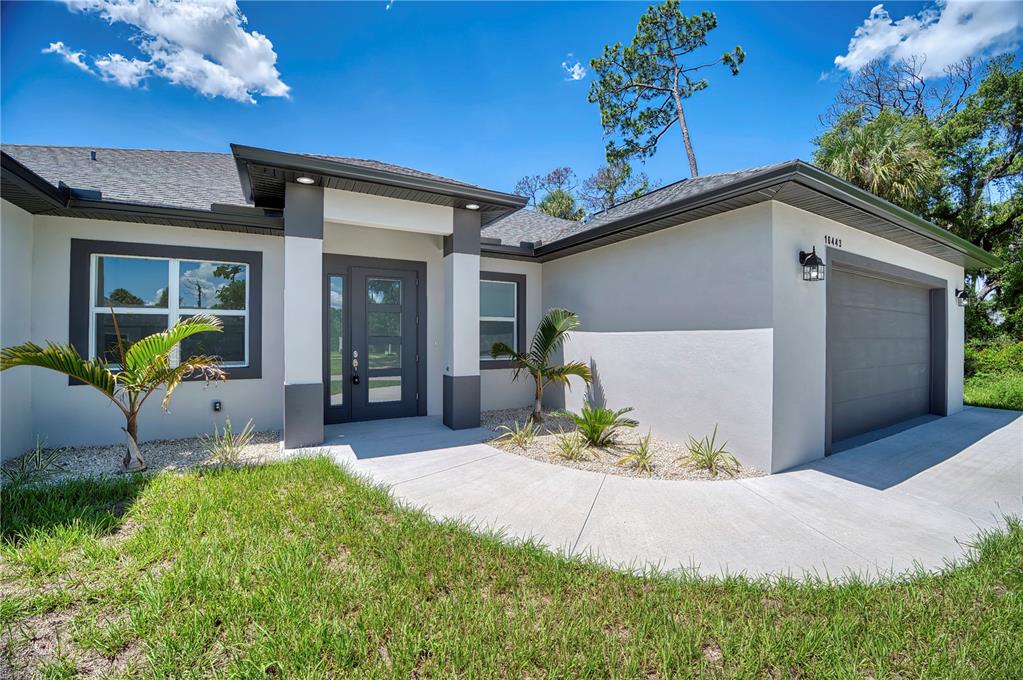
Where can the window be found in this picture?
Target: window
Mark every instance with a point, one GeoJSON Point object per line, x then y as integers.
{"type": "Point", "coordinates": [502, 308]}
{"type": "Point", "coordinates": [149, 294]}
{"type": "Point", "coordinates": [150, 287]}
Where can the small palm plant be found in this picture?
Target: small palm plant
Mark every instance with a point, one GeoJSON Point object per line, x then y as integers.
{"type": "Point", "coordinates": [144, 367]}
{"type": "Point", "coordinates": [601, 426]}
{"type": "Point", "coordinates": [537, 362]}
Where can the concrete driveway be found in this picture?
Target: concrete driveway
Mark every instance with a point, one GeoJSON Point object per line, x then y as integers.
{"type": "Point", "coordinates": [916, 497]}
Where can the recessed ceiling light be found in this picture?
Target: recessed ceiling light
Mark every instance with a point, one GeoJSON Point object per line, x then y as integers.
{"type": "Point", "coordinates": [472, 206]}
{"type": "Point", "coordinates": [305, 180]}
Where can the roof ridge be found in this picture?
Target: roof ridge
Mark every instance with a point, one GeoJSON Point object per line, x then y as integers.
{"type": "Point", "coordinates": [109, 148]}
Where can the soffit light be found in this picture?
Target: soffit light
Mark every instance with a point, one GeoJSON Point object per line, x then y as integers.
{"type": "Point", "coordinates": [813, 265]}
{"type": "Point", "coordinates": [305, 180]}
{"type": "Point", "coordinates": [472, 206]}
{"type": "Point", "coordinates": [962, 298]}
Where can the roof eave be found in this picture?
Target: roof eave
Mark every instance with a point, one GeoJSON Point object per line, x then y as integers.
{"type": "Point", "coordinates": [299, 163]}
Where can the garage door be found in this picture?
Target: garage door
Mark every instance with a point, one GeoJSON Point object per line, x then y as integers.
{"type": "Point", "coordinates": [879, 336]}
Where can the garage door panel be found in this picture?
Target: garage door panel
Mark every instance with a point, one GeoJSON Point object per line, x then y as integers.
{"type": "Point", "coordinates": [854, 353]}
{"type": "Point", "coordinates": [875, 293]}
{"type": "Point", "coordinates": [869, 324]}
{"type": "Point", "coordinates": [855, 384]}
{"type": "Point", "coordinates": [879, 346]}
{"type": "Point", "coordinates": [856, 417]}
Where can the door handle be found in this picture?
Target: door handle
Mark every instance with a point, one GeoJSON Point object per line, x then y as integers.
{"type": "Point", "coordinates": [355, 367]}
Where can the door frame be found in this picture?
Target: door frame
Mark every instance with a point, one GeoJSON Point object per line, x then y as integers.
{"type": "Point", "coordinates": [939, 305]}
{"type": "Point", "coordinates": [338, 264]}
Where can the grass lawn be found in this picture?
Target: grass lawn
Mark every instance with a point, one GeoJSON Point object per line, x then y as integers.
{"type": "Point", "coordinates": [298, 569]}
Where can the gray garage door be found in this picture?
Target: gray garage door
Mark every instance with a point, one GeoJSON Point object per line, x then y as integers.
{"type": "Point", "coordinates": [879, 336]}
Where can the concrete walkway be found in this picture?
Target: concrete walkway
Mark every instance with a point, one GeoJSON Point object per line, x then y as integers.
{"type": "Point", "coordinates": [916, 497]}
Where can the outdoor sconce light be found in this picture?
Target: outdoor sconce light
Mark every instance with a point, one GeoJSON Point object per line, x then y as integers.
{"type": "Point", "coordinates": [962, 298]}
{"type": "Point", "coordinates": [813, 265]}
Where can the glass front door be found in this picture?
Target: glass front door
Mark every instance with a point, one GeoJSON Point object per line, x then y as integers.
{"type": "Point", "coordinates": [371, 338]}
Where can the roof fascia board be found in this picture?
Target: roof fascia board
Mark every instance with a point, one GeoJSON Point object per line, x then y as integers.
{"type": "Point", "coordinates": [839, 189]}
{"type": "Point", "coordinates": [142, 211]}
{"type": "Point", "coordinates": [505, 252]}
{"type": "Point", "coordinates": [299, 163]}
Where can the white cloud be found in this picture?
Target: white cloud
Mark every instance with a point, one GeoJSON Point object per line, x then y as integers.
{"type": "Point", "coordinates": [72, 57]}
{"type": "Point", "coordinates": [943, 34]}
{"type": "Point", "coordinates": [198, 44]}
{"type": "Point", "coordinates": [573, 71]}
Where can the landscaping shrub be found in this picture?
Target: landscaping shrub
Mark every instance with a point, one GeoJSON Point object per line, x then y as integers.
{"type": "Point", "coordinates": [601, 426]}
{"type": "Point", "coordinates": [994, 374]}
{"type": "Point", "coordinates": [642, 459]}
{"type": "Point", "coordinates": [706, 454]}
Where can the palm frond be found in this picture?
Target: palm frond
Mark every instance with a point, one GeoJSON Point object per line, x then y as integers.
{"type": "Point", "coordinates": [150, 348]}
{"type": "Point", "coordinates": [561, 374]}
{"type": "Point", "coordinates": [551, 334]}
{"type": "Point", "coordinates": [523, 362]}
{"type": "Point", "coordinates": [206, 366]}
{"type": "Point", "coordinates": [63, 359]}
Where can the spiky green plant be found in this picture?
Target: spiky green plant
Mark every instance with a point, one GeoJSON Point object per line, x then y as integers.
{"type": "Point", "coordinates": [705, 454]}
{"type": "Point", "coordinates": [571, 445]}
{"type": "Point", "coordinates": [519, 434]}
{"type": "Point", "coordinates": [601, 426]}
{"type": "Point", "coordinates": [225, 448]}
{"type": "Point", "coordinates": [538, 362]}
{"type": "Point", "coordinates": [145, 366]}
{"type": "Point", "coordinates": [35, 466]}
{"type": "Point", "coordinates": [642, 459]}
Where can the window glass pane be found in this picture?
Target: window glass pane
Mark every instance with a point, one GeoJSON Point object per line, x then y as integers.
{"type": "Point", "coordinates": [211, 285]}
{"type": "Point", "coordinates": [383, 291]}
{"type": "Point", "coordinates": [383, 323]}
{"type": "Point", "coordinates": [495, 331]}
{"type": "Point", "coordinates": [385, 389]}
{"type": "Point", "coordinates": [228, 345]}
{"type": "Point", "coordinates": [133, 328]}
{"type": "Point", "coordinates": [384, 355]}
{"type": "Point", "coordinates": [336, 340]}
{"type": "Point", "coordinates": [131, 282]}
{"type": "Point", "coordinates": [497, 298]}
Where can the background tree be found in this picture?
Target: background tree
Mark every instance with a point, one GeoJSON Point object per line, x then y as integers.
{"type": "Point", "coordinates": [122, 297]}
{"type": "Point", "coordinates": [612, 184]}
{"type": "Point", "coordinates": [974, 130]}
{"type": "Point", "coordinates": [560, 203]}
{"type": "Point", "coordinates": [537, 187]}
{"type": "Point", "coordinates": [640, 88]}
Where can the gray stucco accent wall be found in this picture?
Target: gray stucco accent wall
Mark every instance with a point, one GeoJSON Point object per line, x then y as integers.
{"type": "Point", "coordinates": [303, 415]}
{"type": "Point", "coordinates": [466, 235]}
{"type": "Point", "coordinates": [303, 210]}
{"type": "Point", "coordinates": [461, 401]}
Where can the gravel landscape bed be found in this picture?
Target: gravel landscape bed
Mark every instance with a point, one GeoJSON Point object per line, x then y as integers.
{"type": "Point", "coordinates": [161, 454]}
{"type": "Point", "coordinates": [543, 448]}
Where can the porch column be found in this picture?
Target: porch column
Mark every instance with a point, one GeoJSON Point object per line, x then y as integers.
{"type": "Point", "coordinates": [303, 315]}
{"type": "Point", "coordinates": [462, 322]}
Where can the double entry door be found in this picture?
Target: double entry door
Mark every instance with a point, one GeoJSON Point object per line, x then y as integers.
{"type": "Point", "coordinates": [374, 345]}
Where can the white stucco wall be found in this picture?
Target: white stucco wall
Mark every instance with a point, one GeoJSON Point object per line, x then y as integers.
{"type": "Point", "coordinates": [79, 415]}
{"type": "Point", "coordinates": [678, 325]}
{"type": "Point", "coordinates": [462, 314]}
{"type": "Point", "coordinates": [303, 314]}
{"type": "Point", "coordinates": [360, 241]}
{"type": "Point", "coordinates": [365, 210]}
{"type": "Point", "coordinates": [497, 389]}
{"type": "Point", "coordinates": [16, 433]}
{"type": "Point", "coordinates": [800, 322]}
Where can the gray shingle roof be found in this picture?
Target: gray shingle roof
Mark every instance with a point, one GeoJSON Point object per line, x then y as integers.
{"type": "Point", "coordinates": [527, 225]}
{"type": "Point", "coordinates": [175, 179]}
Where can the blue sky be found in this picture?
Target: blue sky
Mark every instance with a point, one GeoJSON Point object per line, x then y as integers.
{"type": "Point", "coordinates": [474, 91]}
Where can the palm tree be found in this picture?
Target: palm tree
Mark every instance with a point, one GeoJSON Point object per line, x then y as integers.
{"type": "Point", "coordinates": [888, 156]}
{"type": "Point", "coordinates": [144, 367]}
{"type": "Point", "coordinates": [549, 337]}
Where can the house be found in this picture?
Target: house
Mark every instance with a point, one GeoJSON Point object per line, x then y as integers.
{"type": "Point", "coordinates": [353, 289]}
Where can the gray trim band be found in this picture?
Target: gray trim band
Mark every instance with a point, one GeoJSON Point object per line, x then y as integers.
{"type": "Point", "coordinates": [303, 415]}
{"type": "Point", "coordinates": [520, 313]}
{"type": "Point", "coordinates": [82, 251]}
{"type": "Point", "coordinates": [465, 238]}
{"type": "Point", "coordinates": [462, 401]}
{"type": "Point", "coordinates": [303, 210]}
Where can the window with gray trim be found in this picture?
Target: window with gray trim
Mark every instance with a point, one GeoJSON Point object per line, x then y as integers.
{"type": "Point", "coordinates": [502, 315]}
{"type": "Point", "coordinates": [149, 287]}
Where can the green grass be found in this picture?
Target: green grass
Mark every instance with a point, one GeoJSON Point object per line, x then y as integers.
{"type": "Point", "coordinates": [298, 569]}
{"type": "Point", "coordinates": [996, 390]}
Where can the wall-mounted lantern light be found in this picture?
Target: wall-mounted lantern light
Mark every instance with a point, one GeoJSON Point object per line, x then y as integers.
{"type": "Point", "coordinates": [813, 265]}
{"type": "Point", "coordinates": [962, 298]}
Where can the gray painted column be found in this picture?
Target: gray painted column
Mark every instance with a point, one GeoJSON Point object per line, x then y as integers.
{"type": "Point", "coordinates": [462, 322]}
{"type": "Point", "coordinates": [303, 316]}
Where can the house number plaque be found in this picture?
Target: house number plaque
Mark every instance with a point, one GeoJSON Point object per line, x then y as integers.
{"type": "Point", "coordinates": [832, 241]}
